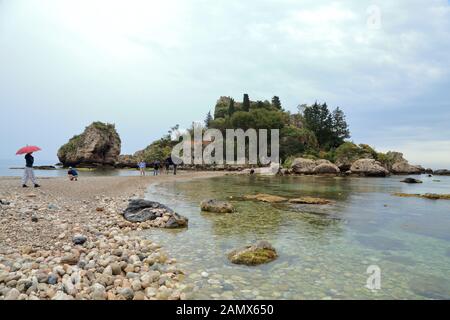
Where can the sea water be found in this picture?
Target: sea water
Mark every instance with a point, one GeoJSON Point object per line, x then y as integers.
{"type": "Point", "coordinates": [325, 252]}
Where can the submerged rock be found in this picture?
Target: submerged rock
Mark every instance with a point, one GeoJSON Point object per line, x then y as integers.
{"type": "Point", "coordinates": [216, 206]}
{"type": "Point", "coordinates": [381, 243]}
{"type": "Point", "coordinates": [411, 180]}
{"type": "Point", "coordinates": [369, 168]}
{"type": "Point", "coordinates": [140, 210]}
{"type": "Point", "coordinates": [265, 198]}
{"type": "Point", "coordinates": [260, 253]}
{"type": "Point", "coordinates": [431, 287]}
{"type": "Point", "coordinates": [431, 196]}
{"type": "Point", "coordinates": [309, 200]}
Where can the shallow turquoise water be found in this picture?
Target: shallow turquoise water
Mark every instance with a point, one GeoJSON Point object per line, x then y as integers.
{"type": "Point", "coordinates": [324, 250]}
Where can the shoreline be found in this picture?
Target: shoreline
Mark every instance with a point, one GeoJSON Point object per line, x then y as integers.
{"type": "Point", "coordinates": [40, 260]}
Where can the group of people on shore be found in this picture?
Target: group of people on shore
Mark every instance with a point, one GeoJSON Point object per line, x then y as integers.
{"type": "Point", "coordinates": [72, 173]}
{"type": "Point", "coordinates": [169, 166]}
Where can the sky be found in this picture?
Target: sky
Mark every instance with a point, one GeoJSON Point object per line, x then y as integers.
{"type": "Point", "coordinates": [148, 65]}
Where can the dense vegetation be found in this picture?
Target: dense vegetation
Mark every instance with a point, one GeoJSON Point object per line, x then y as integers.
{"type": "Point", "coordinates": [159, 150]}
{"type": "Point", "coordinates": [311, 131]}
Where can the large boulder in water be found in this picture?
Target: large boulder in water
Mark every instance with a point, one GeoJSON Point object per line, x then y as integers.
{"type": "Point", "coordinates": [98, 145]}
{"type": "Point", "coordinates": [308, 166]}
{"type": "Point", "coordinates": [369, 168]}
{"type": "Point", "coordinates": [216, 206]}
{"type": "Point", "coordinates": [403, 167]}
{"type": "Point", "coordinates": [348, 153]}
{"type": "Point", "coordinates": [397, 164]}
{"type": "Point", "coordinates": [154, 213]}
{"type": "Point", "coordinates": [303, 166]}
{"type": "Point", "coordinates": [326, 167]}
{"type": "Point", "coordinates": [260, 253]}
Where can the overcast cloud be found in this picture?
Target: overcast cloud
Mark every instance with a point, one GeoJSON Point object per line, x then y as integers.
{"type": "Point", "coordinates": [147, 65]}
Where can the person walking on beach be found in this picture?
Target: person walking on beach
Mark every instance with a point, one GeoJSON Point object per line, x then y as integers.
{"type": "Point", "coordinates": [142, 165]}
{"type": "Point", "coordinates": [156, 166]}
{"type": "Point", "coordinates": [167, 165]}
{"type": "Point", "coordinates": [29, 172]}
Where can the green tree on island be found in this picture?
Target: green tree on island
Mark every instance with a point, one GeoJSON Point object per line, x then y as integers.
{"type": "Point", "coordinates": [330, 128]}
{"type": "Point", "coordinates": [231, 108]}
{"type": "Point", "coordinates": [208, 119]}
{"type": "Point", "coordinates": [276, 103]}
{"type": "Point", "coordinates": [246, 103]}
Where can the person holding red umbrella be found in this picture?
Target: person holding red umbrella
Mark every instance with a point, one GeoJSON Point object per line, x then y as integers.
{"type": "Point", "coordinates": [29, 159]}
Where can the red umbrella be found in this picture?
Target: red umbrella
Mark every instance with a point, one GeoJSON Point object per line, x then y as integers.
{"type": "Point", "coordinates": [28, 149]}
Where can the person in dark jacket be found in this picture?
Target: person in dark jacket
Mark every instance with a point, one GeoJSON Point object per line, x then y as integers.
{"type": "Point", "coordinates": [29, 172]}
{"type": "Point", "coordinates": [169, 163]}
{"type": "Point", "coordinates": [156, 166]}
{"type": "Point", "coordinates": [73, 174]}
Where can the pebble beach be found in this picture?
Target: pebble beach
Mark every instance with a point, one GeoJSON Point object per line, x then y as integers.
{"type": "Point", "coordinates": [69, 241]}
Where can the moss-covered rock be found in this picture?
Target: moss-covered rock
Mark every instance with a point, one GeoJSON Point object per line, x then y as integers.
{"type": "Point", "coordinates": [265, 198]}
{"type": "Point", "coordinates": [260, 253]}
{"type": "Point", "coordinates": [310, 200]}
{"type": "Point", "coordinates": [431, 196]}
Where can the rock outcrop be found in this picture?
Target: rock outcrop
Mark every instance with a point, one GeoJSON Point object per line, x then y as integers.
{"type": "Point", "coordinates": [442, 172]}
{"type": "Point", "coordinates": [403, 167]}
{"type": "Point", "coordinates": [308, 166]}
{"type": "Point", "coordinates": [127, 161]}
{"type": "Point", "coordinates": [348, 153]}
{"type": "Point", "coordinates": [99, 145]}
{"type": "Point", "coordinates": [399, 165]}
{"type": "Point", "coordinates": [369, 168]}
{"type": "Point", "coordinates": [216, 206]}
{"type": "Point", "coordinates": [154, 214]}
{"type": "Point", "coordinates": [260, 253]}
